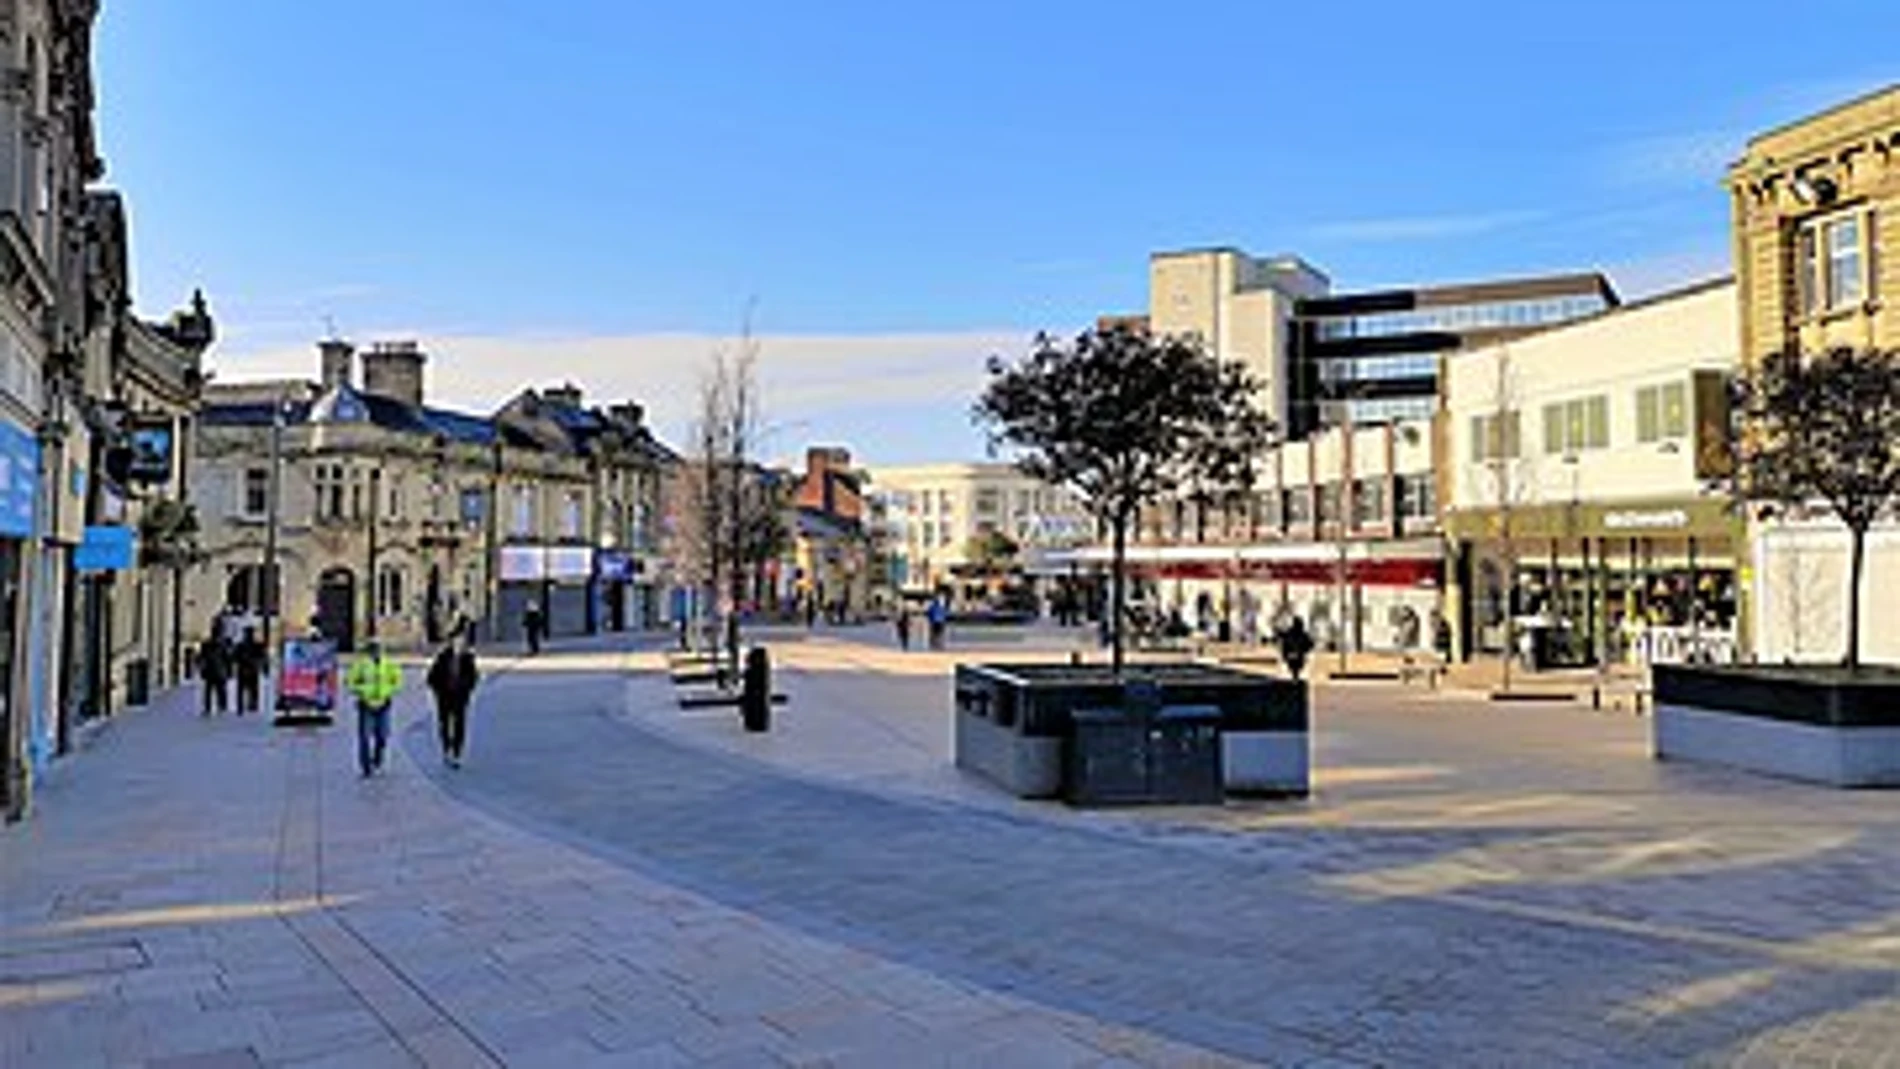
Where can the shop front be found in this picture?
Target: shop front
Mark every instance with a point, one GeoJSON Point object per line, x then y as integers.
{"type": "Point", "coordinates": [19, 488]}
{"type": "Point", "coordinates": [1593, 583]}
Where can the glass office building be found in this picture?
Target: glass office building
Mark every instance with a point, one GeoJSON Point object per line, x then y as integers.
{"type": "Point", "coordinates": [1373, 357]}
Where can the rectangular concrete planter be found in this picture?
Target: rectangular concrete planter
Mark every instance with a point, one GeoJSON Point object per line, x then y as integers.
{"type": "Point", "coordinates": [1269, 763]}
{"type": "Point", "coordinates": [1815, 724]}
{"type": "Point", "coordinates": [1014, 722]}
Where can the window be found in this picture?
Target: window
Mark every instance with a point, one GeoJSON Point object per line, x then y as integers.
{"type": "Point", "coordinates": [1418, 497]}
{"type": "Point", "coordinates": [1662, 412]}
{"type": "Point", "coordinates": [988, 502]}
{"type": "Point", "coordinates": [1495, 437]}
{"type": "Point", "coordinates": [1329, 503]}
{"type": "Point", "coordinates": [1573, 426]}
{"type": "Point", "coordinates": [256, 500]}
{"type": "Point", "coordinates": [389, 592]}
{"type": "Point", "coordinates": [395, 499]}
{"type": "Point", "coordinates": [1299, 505]}
{"type": "Point", "coordinates": [1368, 502]}
{"type": "Point", "coordinates": [523, 525]}
{"type": "Point", "coordinates": [571, 509]}
{"type": "Point", "coordinates": [1843, 261]}
{"type": "Point", "coordinates": [1832, 269]}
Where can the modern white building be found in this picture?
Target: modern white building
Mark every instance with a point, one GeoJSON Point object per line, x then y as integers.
{"type": "Point", "coordinates": [1581, 474]}
{"type": "Point", "coordinates": [935, 511]}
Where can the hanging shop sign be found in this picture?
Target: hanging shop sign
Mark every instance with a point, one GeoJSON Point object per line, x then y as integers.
{"type": "Point", "coordinates": [104, 549]}
{"type": "Point", "coordinates": [614, 565]}
{"type": "Point", "coordinates": [150, 439]}
{"type": "Point", "coordinates": [19, 480]}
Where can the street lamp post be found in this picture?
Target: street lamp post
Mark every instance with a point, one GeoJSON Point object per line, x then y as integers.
{"type": "Point", "coordinates": [272, 594]}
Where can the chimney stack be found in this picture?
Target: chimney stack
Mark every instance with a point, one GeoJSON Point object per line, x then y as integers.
{"type": "Point", "coordinates": [566, 395]}
{"type": "Point", "coordinates": [337, 360]}
{"type": "Point", "coordinates": [394, 369]}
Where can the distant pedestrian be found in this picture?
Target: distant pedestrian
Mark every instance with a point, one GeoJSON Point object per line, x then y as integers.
{"type": "Point", "coordinates": [1295, 645]}
{"type": "Point", "coordinates": [252, 662]}
{"type": "Point", "coordinates": [374, 680]}
{"type": "Point", "coordinates": [903, 627]}
{"type": "Point", "coordinates": [811, 611]}
{"type": "Point", "coordinates": [938, 616]}
{"type": "Point", "coordinates": [452, 679]}
{"type": "Point", "coordinates": [531, 624]}
{"type": "Point", "coordinates": [214, 671]}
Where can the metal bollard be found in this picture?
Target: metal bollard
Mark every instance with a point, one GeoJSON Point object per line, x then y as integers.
{"type": "Point", "coordinates": [755, 693]}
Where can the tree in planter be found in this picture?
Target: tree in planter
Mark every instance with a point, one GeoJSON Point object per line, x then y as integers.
{"type": "Point", "coordinates": [1124, 418]}
{"type": "Point", "coordinates": [1822, 432]}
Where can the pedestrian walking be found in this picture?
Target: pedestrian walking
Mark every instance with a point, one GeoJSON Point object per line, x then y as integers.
{"type": "Point", "coordinates": [452, 679]}
{"type": "Point", "coordinates": [252, 662]}
{"type": "Point", "coordinates": [903, 627]}
{"type": "Point", "coordinates": [374, 680]}
{"type": "Point", "coordinates": [1295, 645]}
{"type": "Point", "coordinates": [811, 611]}
{"type": "Point", "coordinates": [531, 624]}
{"type": "Point", "coordinates": [938, 616]}
{"type": "Point", "coordinates": [214, 671]}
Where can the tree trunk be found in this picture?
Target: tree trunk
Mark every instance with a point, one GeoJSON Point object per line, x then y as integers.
{"type": "Point", "coordinates": [1855, 560]}
{"type": "Point", "coordinates": [1118, 592]}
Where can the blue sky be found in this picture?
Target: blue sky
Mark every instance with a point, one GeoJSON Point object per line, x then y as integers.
{"type": "Point", "coordinates": [903, 188]}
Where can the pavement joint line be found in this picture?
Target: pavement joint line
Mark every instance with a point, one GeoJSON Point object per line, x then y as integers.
{"type": "Point", "coordinates": [1838, 961]}
{"type": "Point", "coordinates": [351, 958]}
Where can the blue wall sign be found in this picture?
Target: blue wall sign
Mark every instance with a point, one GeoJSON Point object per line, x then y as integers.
{"type": "Point", "coordinates": [19, 480]}
{"type": "Point", "coordinates": [104, 549]}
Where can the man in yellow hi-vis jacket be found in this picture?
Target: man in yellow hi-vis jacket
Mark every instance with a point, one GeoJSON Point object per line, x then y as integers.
{"type": "Point", "coordinates": [375, 680]}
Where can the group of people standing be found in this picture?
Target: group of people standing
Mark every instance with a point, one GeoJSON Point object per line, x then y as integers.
{"type": "Point", "coordinates": [936, 616]}
{"type": "Point", "coordinates": [221, 660]}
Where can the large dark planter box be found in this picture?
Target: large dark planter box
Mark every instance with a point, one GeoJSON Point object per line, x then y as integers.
{"type": "Point", "coordinates": [1014, 723]}
{"type": "Point", "coordinates": [1817, 723]}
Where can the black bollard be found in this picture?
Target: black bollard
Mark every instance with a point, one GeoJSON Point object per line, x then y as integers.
{"type": "Point", "coordinates": [755, 693]}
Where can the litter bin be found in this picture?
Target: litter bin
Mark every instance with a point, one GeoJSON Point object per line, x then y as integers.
{"type": "Point", "coordinates": [1184, 756]}
{"type": "Point", "coordinates": [1137, 754]}
{"type": "Point", "coordinates": [138, 683]}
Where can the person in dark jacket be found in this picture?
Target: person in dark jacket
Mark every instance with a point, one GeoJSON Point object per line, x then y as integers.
{"type": "Point", "coordinates": [532, 623]}
{"type": "Point", "coordinates": [452, 679]}
{"type": "Point", "coordinates": [1295, 644]}
{"type": "Point", "coordinates": [214, 670]}
{"type": "Point", "coordinates": [903, 626]}
{"type": "Point", "coordinates": [252, 663]}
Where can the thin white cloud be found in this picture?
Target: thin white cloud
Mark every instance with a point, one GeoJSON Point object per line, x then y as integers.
{"type": "Point", "coordinates": [1421, 227]}
{"type": "Point", "coordinates": [1672, 269]}
{"type": "Point", "coordinates": [1691, 158]}
{"type": "Point", "coordinates": [804, 377]}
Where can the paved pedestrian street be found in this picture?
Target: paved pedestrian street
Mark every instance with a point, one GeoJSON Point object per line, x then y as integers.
{"type": "Point", "coordinates": [613, 881]}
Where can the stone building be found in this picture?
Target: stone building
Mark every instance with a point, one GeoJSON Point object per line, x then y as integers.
{"type": "Point", "coordinates": [94, 403]}
{"type": "Point", "coordinates": [390, 517]}
{"type": "Point", "coordinates": [1815, 208]}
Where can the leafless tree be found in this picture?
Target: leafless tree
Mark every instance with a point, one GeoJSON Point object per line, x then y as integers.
{"type": "Point", "coordinates": [732, 514]}
{"type": "Point", "coordinates": [1500, 441]}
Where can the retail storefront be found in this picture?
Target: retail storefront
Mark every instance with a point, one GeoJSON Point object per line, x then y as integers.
{"type": "Point", "coordinates": [1369, 594]}
{"type": "Point", "coordinates": [19, 486]}
{"type": "Point", "coordinates": [1650, 581]}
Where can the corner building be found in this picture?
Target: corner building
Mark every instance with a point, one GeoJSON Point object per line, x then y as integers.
{"type": "Point", "coordinates": [1816, 225]}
